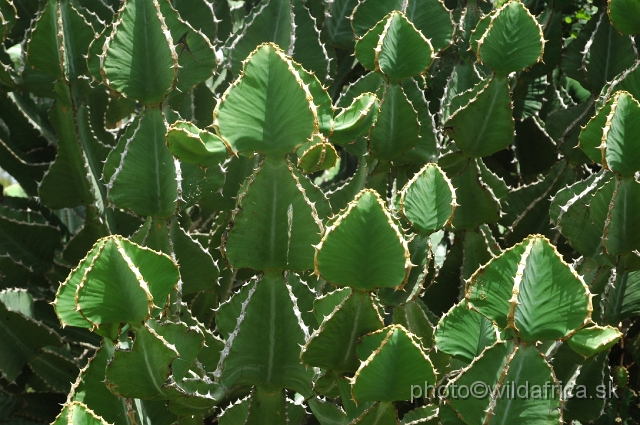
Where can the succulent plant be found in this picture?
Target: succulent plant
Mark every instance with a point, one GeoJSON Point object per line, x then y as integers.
{"type": "Point", "coordinates": [319, 212]}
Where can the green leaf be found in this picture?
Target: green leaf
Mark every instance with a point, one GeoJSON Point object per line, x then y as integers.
{"type": "Point", "coordinates": [580, 211]}
{"type": "Point", "coordinates": [355, 120]}
{"type": "Point", "coordinates": [187, 340]}
{"type": "Point", "coordinates": [609, 137]}
{"type": "Point", "coordinates": [477, 204]}
{"type": "Point", "coordinates": [428, 200]}
{"type": "Point", "coordinates": [309, 50]}
{"type": "Point", "coordinates": [404, 51]}
{"type": "Point", "coordinates": [275, 224]}
{"type": "Point", "coordinates": [397, 128]}
{"type": "Point", "coordinates": [414, 316]}
{"type": "Point", "coordinates": [264, 348]}
{"type": "Point", "coordinates": [142, 157]}
{"type": "Point", "coordinates": [327, 413]}
{"type": "Point", "coordinates": [464, 333]}
{"type": "Point", "coordinates": [21, 337]}
{"type": "Point", "coordinates": [622, 226]}
{"type": "Point", "coordinates": [198, 271]}
{"type": "Point", "coordinates": [9, 15]}
{"type": "Point", "coordinates": [593, 376]}
{"type": "Point", "coordinates": [363, 247]}
{"type": "Point", "coordinates": [270, 21]}
{"type": "Point", "coordinates": [338, 24]}
{"type": "Point", "coordinates": [500, 367]}
{"type": "Point", "coordinates": [139, 58]}
{"type": "Point", "coordinates": [430, 17]}
{"type": "Point", "coordinates": [625, 16]}
{"type": "Point", "coordinates": [318, 157]}
{"type": "Point", "coordinates": [513, 40]}
{"type": "Point", "coordinates": [194, 146]}
{"type": "Point", "coordinates": [422, 265]}
{"type": "Point", "coordinates": [90, 389]}
{"type": "Point", "coordinates": [396, 363]}
{"type": "Point", "coordinates": [267, 109]}
{"type": "Point", "coordinates": [55, 369]}
{"type": "Point", "coordinates": [143, 279]}
{"type": "Point", "coordinates": [76, 413]}
{"type": "Point", "coordinates": [609, 54]}
{"type": "Point", "coordinates": [590, 341]}
{"type": "Point", "coordinates": [333, 345]}
{"type": "Point", "coordinates": [530, 289]}
{"type": "Point", "coordinates": [59, 50]}
{"type": "Point", "coordinates": [485, 124]}
{"type": "Point", "coordinates": [379, 413]}
{"type": "Point", "coordinates": [142, 371]}
{"type": "Point", "coordinates": [267, 407]}
{"type": "Point", "coordinates": [427, 414]}
{"type": "Point", "coordinates": [399, 49]}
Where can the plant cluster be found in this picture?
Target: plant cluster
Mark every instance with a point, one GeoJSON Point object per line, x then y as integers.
{"type": "Point", "coordinates": [319, 212]}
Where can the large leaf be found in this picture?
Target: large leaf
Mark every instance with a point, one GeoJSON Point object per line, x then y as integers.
{"type": "Point", "coordinates": [267, 109]}
{"type": "Point", "coordinates": [530, 289]}
{"type": "Point", "coordinates": [143, 279]}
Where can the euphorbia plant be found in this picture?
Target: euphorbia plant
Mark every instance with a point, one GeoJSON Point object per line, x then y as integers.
{"type": "Point", "coordinates": [304, 211]}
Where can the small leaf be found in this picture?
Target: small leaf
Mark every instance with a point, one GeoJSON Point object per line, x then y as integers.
{"type": "Point", "coordinates": [318, 157]}
{"type": "Point", "coordinates": [355, 120]}
{"type": "Point", "coordinates": [464, 333]}
{"type": "Point", "coordinates": [363, 247]}
{"type": "Point", "coordinates": [428, 200]}
{"type": "Point", "coordinates": [194, 146]}
{"type": "Point", "coordinates": [275, 224]}
{"type": "Point", "coordinates": [590, 341]}
{"type": "Point", "coordinates": [143, 279]}
{"type": "Point", "coordinates": [513, 41]}
{"type": "Point", "coordinates": [396, 363]}
{"type": "Point", "coordinates": [333, 345]}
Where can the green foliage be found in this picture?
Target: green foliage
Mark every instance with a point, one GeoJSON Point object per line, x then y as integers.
{"type": "Point", "coordinates": [319, 212]}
